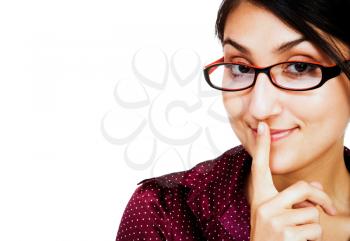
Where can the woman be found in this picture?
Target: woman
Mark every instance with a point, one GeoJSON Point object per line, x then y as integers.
{"type": "Point", "coordinates": [285, 84]}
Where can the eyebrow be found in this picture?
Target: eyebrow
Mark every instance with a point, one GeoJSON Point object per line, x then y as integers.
{"type": "Point", "coordinates": [281, 48]}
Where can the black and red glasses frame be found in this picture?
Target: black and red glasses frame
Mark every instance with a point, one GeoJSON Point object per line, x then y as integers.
{"type": "Point", "coordinates": [328, 73]}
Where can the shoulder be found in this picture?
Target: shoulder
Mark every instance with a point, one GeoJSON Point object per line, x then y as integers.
{"type": "Point", "coordinates": [190, 178]}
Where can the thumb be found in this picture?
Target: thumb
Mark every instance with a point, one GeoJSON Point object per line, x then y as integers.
{"type": "Point", "coordinates": [262, 182]}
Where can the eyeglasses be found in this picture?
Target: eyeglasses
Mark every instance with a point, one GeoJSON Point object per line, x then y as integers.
{"type": "Point", "coordinates": [291, 75]}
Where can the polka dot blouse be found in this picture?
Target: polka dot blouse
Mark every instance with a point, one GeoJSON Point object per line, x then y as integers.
{"type": "Point", "coordinates": [207, 202]}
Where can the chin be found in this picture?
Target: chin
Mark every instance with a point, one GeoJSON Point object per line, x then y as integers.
{"type": "Point", "coordinates": [282, 164]}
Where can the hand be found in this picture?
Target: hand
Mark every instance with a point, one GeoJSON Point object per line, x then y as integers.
{"type": "Point", "coordinates": [289, 215]}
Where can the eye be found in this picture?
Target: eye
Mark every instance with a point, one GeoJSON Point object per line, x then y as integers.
{"type": "Point", "coordinates": [299, 68]}
{"type": "Point", "coordinates": [238, 69]}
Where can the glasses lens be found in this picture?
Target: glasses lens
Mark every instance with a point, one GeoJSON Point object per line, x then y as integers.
{"type": "Point", "coordinates": [297, 75]}
{"type": "Point", "coordinates": [231, 76]}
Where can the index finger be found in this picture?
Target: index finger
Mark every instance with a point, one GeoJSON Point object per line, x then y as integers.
{"type": "Point", "coordinates": [263, 186]}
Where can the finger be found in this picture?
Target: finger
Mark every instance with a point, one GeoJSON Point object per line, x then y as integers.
{"type": "Point", "coordinates": [312, 231]}
{"type": "Point", "coordinates": [293, 217]}
{"type": "Point", "coordinates": [304, 204]}
{"type": "Point", "coordinates": [262, 182]}
{"type": "Point", "coordinates": [300, 192]}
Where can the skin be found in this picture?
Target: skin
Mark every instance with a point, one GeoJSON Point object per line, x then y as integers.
{"type": "Point", "coordinates": [313, 153]}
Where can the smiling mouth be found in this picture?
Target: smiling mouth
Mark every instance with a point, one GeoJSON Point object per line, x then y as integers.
{"type": "Point", "coordinates": [277, 134]}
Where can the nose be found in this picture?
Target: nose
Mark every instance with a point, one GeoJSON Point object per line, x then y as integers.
{"type": "Point", "coordinates": [264, 98]}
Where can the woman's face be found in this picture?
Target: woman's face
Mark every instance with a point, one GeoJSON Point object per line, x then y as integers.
{"type": "Point", "coordinates": [320, 116]}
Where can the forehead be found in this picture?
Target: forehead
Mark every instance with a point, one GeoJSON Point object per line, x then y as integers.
{"type": "Point", "coordinates": [257, 28]}
{"type": "Point", "coordinates": [247, 18]}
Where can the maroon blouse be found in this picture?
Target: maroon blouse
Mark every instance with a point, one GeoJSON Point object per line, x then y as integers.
{"type": "Point", "coordinates": [207, 202]}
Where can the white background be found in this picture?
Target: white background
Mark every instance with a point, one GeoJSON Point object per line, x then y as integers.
{"type": "Point", "coordinates": [61, 178]}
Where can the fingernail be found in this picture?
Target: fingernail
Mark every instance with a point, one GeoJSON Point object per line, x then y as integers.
{"type": "Point", "coordinates": [317, 185]}
{"type": "Point", "coordinates": [261, 128]}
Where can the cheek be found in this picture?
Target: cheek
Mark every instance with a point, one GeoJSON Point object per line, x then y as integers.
{"type": "Point", "coordinates": [326, 111]}
{"type": "Point", "coordinates": [235, 106]}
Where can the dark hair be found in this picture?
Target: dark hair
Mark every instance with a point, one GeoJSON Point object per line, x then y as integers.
{"type": "Point", "coordinates": [330, 16]}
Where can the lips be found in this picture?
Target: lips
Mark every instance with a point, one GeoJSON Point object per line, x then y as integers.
{"type": "Point", "coordinates": [277, 134]}
{"type": "Point", "coordinates": [275, 131]}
